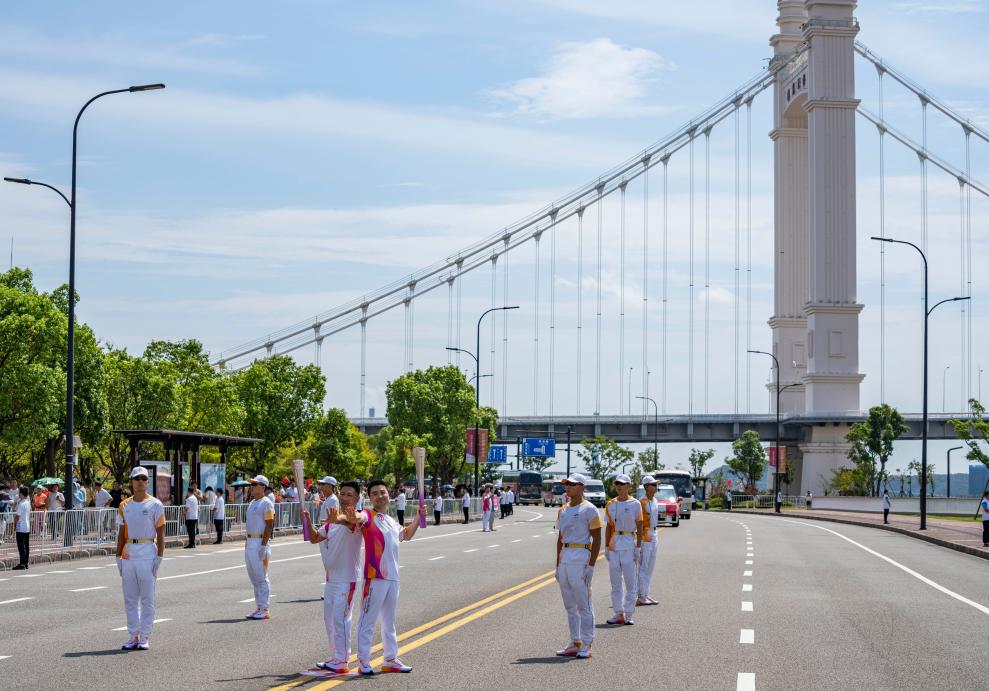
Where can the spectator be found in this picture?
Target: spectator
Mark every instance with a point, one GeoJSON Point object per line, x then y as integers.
{"type": "Point", "coordinates": [810, 499]}
{"type": "Point", "coordinates": [40, 499]}
{"type": "Point", "coordinates": [239, 495]}
{"type": "Point", "coordinates": [198, 492]}
{"type": "Point", "coordinates": [101, 498]}
{"type": "Point", "coordinates": [511, 502]}
{"type": "Point", "coordinates": [465, 504]}
{"type": "Point", "coordinates": [728, 499]}
{"type": "Point", "coordinates": [984, 505]}
{"type": "Point", "coordinates": [209, 496]}
{"type": "Point", "coordinates": [438, 507]}
{"type": "Point", "coordinates": [291, 492]}
{"type": "Point", "coordinates": [219, 517]}
{"type": "Point", "coordinates": [55, 505]}
{"type": "Point", "coordinates": [400, 501]}
{"type": "Point", "coordinates": [23, 529]}
{"type": "Point", "coordinates": [116, 496]}
{"type": "Point", "coordinates": [191, 510]}
{"type": "Point", "coordinates": [887, 505]}
{"type": "Point", "coordinates": [503, 503]}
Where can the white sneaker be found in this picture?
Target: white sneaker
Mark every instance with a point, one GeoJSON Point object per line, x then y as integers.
{"type": "Point", "coordinates": [143, 644]}
{"type": "Point", "coordinates": [395, 665]}
{"type": "Point", "coordinates": [585, 652]}
{"type": "Point", "coordinates": [570, 651]}
{"type": "Point", "coordinates": [364, 668]}
{"type": "Point", "coordinates": [261, 614]}
{"type": "Point", "coordinates": [131, 644]}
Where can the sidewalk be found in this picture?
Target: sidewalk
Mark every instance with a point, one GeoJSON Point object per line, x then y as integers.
{"type": "Point", "coordinates": [962, 536]}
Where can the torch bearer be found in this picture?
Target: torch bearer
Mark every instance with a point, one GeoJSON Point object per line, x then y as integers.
{"type": "Point", "coordinates": [419, 455]}
{"type": "Point", "coordinates": [298, 470]}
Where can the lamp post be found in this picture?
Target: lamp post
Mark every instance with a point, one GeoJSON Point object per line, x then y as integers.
{"type": "Point", "coordinates": [70, 345]}
{"type": "Point", "coordinates": [776, 364]}
{"type": "Point", "coordinates": [655, 427]}
{"type": "Point", "coordinates": [953, 448]}
{"type": "Point", "coordinates": [477, 392]}
{"type": "Point", "coordinates": [923, 431]}
{"type": "Point", "coordinates": [944, 386]}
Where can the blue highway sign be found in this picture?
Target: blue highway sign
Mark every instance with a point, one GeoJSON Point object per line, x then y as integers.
{"type": "Point", "coordinates": [538, 448]}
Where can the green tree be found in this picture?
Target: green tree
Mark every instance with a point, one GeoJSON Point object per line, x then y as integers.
{"type": "Point", "coordinates": [393, 454]}
{"type": "Point", "coordinates": [436, 406]}
{"type": "Point", "coordinates": [602, 456]}
{"type": "Point", "coordinates": [872, 443]}
{"type": "Point", "coordinates": [537, 463]}
{"type": "Point", "coordinates": [851, 482]}
{"type": "Point", "coordinates": [697, 460]}
{"type": "Point", "coordinates": [749, 458]}
{"type": "Point", "coordinates": [339, 448]}
{"type": "Point", "coordinates": [973, 431]}
{"type": "Point", "coordinates": [649, 460]}
{"type": "Point", "coordinates": [281, 401]}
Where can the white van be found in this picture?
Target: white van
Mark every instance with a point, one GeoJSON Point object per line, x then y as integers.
{"type": "Point", "coordinates": [594, 492]}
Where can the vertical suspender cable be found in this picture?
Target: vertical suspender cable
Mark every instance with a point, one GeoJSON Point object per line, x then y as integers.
{"type": "Point", "coordinates": [535, 331]}
{"type": "Point", "coordinates": [963, 339]}
{"type": "Point", "coordinates": [748, 255]}
{"type": "Point", "coordinates": [449, 319]}
{"type": "Point", "coordinates": [882, 245]}
{"type": "Point", "coordinates": [319, 346]}
{"type": "Point", "coordinates": [666, 219]}
{"type": "Point", "coordinates": [690, 285]}
{"type": "Point", "coordinates": [405, 355]}
{"type": "Point", "coordinates": [580, 298]}
{"type": "Point", "coordinates": [707, 267]}
{"type": "Point", "coordinates": [504, 331]}
{"type": "Point", "coordinates": [491, 355]}
{"type": "Point", "coordinates": [597, 386]}
{"type": "Point", "coordinates": [412, 325]}
{"type": "Point", "coordinates": [460, 305]}
{"type": "Point", "coordinates": [552, 313]}
{"type": "Point", "coordinates": [363, 410]}
{"type": "Point", "coordinates": [621, 307]}
{"type": "Point", "coordinates": [923, 176]}
{"type": "Point", "coordinates": [968, 262]}
{"type": "Point", "coordinates": [645, 284]}
{"type": "Point", "coordinates": [738, 249]}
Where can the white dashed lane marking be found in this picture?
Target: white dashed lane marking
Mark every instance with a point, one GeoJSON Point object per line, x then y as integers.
{"type": "Point", "coordinates": [83, 590]}
{"type": "Point", "coordinates": [746, 681]}
{"type": "Point", "coordinates": [746, 573]}
{"type": "Point", "coordinates": [156, 621]}
{"type": "Point", "coordinates": [493, 546]}
{"type": "Point", "coordinates": [17, 599]}
{"type": "Point", "coordinates": [748, 562]}
{"type": "Point", "coordinates": [746, 636]}
{"type": "Point", "coordinates": [435, 558]}
{"type": "Point", "coordinates": [467, 551]}
{"type": "Point", "coordinates": [746, 587]}
{"type": "Point", "coordinates": [746, 606]}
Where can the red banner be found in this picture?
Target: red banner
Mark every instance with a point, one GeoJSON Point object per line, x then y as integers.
{"type": "Point", "coordinates": [470, 445]}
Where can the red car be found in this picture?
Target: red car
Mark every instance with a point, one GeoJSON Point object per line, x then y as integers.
{"type": "Point", "coordinates": [669, 504]}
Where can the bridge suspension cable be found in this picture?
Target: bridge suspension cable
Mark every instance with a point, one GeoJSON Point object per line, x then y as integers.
{"type": "Point", "coordinates": [748, 255]}
{"type": "Point", "coordinates": [621, 307]}
{"type": "Point", "coordinates": [707, 266]}
{"type": "Point", "coordinates": [645, 287]}
{"type": "Point", "coordinates": [580, 298]}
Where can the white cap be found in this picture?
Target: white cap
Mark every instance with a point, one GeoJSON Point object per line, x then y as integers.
{"type": "Point", "coordinates": [328, 480]}
{"type": "Point", "coordinates": [261, 480]}
{"type": "Point", "coordinates": [623, 479]}
{"type": "Point", "coordinates": [577, 479]}
{"type": "Point", "coordinates": [648, 480]}
{"type": "Point", "coordinates": [138, 471]}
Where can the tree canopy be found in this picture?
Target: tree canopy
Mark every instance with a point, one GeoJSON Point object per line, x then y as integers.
{"type": "Point", "coordinates": [748, 459]}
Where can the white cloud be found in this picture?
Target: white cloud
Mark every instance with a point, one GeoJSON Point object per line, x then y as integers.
{"type": "Point", "coordinates": [599, 78]}
{"type": "Point", "coordinates": [951, 7]}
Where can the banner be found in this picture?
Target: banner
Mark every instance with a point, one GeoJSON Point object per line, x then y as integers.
{"type": "Point", "coordinates": [781, 465]}
{"type": "Point", "coordinates": [483, 445]}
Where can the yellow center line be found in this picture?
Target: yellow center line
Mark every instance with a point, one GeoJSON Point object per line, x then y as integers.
{"type": "Point", "coordinates": [445, 630]}
{"type": "Point", "coordinates": [430, 624]}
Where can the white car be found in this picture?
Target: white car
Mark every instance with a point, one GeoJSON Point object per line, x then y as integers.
{"type": "Point", "coordinates": [594, 493]}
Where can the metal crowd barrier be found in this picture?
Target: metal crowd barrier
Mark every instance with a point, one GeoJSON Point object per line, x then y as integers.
{"type": "Point", "coordinates": [56, 531]}
{"type": "Point", "coordinates": [767, 501]}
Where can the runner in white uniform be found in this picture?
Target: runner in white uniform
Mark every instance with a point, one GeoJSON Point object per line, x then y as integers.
{"type": "Point", "coordinates": [650, 541]}
{"type": "Point", "coordinates": [340, 547]}
{"type": "Point", "coordinates": [260, 523]}
{"type": "Point", "coordinates": [382, 533]}
{"type": "Point", "coordinates": [140, 546]}
{"type": "Point", "coordinates": [577, 546]}
{"type": "Point", "coordinates": [623, 537]}
{"type": "Point", "coordinates": [330, 504]}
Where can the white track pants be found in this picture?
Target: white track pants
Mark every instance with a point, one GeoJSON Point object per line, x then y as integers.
{"type": "Point", "coordinates": [624, 581]}
{"type": "Point", "coordinates": [380, 600]}
{"type": "Point", "coordinates": [257, 571]}
{"type": "Point", "coordinates": [486, 521]}
{"type": "Point", "coordinates": [647, 564]}
{"type": "Point", "coordinates": [338, 608]}
{"type": "Point", "coordinates": [139, 595]}
{"type": "Point", "coordinates": [576, 590]}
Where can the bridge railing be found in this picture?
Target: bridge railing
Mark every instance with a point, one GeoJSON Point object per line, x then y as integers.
{"type": "Point", "coordinates": [767, 501]}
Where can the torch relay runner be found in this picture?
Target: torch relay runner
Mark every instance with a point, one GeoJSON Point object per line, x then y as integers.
{"type": "Point", "coordinates": [260, 523]}
{"type": "Point", "coordinates": [577, 546]}
{"type": "Point", "coordinates": [140, 546]}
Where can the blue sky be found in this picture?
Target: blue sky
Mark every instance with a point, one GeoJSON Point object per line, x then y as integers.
{"type": "Point", "coordinates": [306, 152]}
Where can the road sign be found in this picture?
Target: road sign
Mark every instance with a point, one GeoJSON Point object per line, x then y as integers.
{"type": "Point", "coordinates": [498, 454]}
{"type": "Point", "coordinates": [538, 448]}
{"type": "Point", "coordinates": [483, 445]}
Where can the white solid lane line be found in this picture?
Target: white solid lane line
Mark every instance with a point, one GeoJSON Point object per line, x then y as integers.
{"type": "Point", "coordinates": [30, 575]}
{"type": "Point", "coordinates": [746, 636]}
{"type": "Point", "coordinates": [493, 546]}
{"type": "Point", "coordinates": [230, 568]}
{"type": "Point", "coordinates": [923, 579]}
{"type": "Point", "coordinates": [4, 657]}
{"type": "Point", "coordinates": [435, 558]}
{"type": "Point", "coordinates": [467, 551]}
{"type": "Point", "coordinates": [18, 599]}
{"type": "Point", "coordinates": [746, 587]}
{"type": "Point", "coordinates": [746, 606]}
{"type": "Point", "coordinates": [746, 682]}
{"type": "Point", "coordinates": [91, 568]}
{"type": "Point", "coordinates": [58, 572]}
{"type": "Point", "coordinates": [156, 621]}
{"type": "Point", "coordinates": [516, 541]}
{"type": "Point", "coordinates": [83, 590]}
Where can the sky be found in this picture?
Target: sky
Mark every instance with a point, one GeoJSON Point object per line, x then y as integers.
{"type": "Point", "coordinates": [307, 152]}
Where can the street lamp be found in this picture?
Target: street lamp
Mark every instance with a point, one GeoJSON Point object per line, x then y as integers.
{"type": "Point", "coordinates": [953, 448]}
{"type": "Point", "coordinates": [923, 431]}
{"type": "Point", "coordinates": [477, 391]}
{"type": "Point", "coordinates": [655, 427]}
{"type": "Point", "coordinates": [70, 457]}
{"type": "Point", "coordinates": [776, 364]}
{"type": "Point", "coordinates": [944, 385]}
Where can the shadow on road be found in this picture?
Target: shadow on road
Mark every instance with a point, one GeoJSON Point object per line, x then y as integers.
{"type": "Point", "coordinates": [543, 660]}
{"type": "Point", "coordinates": [292, 602]}
{"type": "Point", "coordinates": [227, 621]}
{"type": "Point", "coordinates": [96, 653]}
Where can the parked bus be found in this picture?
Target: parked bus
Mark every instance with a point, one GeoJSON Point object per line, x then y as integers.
{"type": "Point", "coordinates": [554, 493]}
{"type": "Point", "coordinates": [680, 479]}
{"type": "Point", "coordinates": [530, 488]}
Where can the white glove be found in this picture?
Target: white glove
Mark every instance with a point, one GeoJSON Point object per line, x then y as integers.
{"type": "Point", "coordinates": [262, 551]}
{"type": "Point", "coordinates": [638, 554]}
{"type": "Point", "coordinates": [556, 574]}
{"type": "Point", "coordinates": [607, 554]}
{"type": "Point", "coordinates": [120, 566]}
{"type": "Point", "coordinates": [588, 574]}
{"type": "Point", "coordinates": [154, 567]}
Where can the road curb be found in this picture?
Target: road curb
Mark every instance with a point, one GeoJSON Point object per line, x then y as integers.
{"type": "Point", "coordinates": [974, 551]}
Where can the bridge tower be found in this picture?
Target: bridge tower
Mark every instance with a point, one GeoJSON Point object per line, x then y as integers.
{"type": "Point", "coordinates": [815, 320]}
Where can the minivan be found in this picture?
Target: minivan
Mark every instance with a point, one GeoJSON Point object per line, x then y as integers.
{"type": "Point", "coordinates": [594, 492]}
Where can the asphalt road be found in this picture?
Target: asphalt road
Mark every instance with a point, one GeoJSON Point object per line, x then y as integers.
{"type": "Point", "coordinates": [825, 607]}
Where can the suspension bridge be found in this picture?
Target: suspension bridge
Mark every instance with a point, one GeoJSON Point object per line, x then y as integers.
{"type": "Point", "coordinates": [637, 277]}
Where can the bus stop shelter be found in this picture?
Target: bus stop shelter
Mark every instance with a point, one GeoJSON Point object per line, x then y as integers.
{"type": "Point", "coordinates": [181, 447]}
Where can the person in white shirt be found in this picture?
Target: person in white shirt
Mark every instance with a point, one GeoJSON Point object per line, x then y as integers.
{"type": "Point", "coordinates": [624, 540]}
{"type": "Point", "coordinates": [219, 516]}
{"type": "Point", "coordinates": [291, 492]}
{"type": "Point", "coordinates": [140, 546]}
{"type": "Point", "coordinates": [511, 502]}
{"type": "Point", "coordinates": [465, 504]}
{"type": "Point", "coordinates": [779, 500]}
{"type": "Point", "coordinates": [577, 546]}
{"type": "Point", "coordinates": [887, 505]}
{"type": "Point", "coordinates": [22, 529]}
{"type": "Point", "coordinates": [650, 540]}
{"type": "Point", "coordinates": [260, 524]}
{"type": "Point", "coordinates": [382, 534]}
{"type": "Point", "coordinates": [400, 502]}
{"type": "Point", "coordinates": [983, 505]}
{"type": "Point", "coordinates": [438, 508]}
{"type": "Point", "coordinates": [191, 511]}
{"type": "Point", "coordinates": [503, 502]}
{"type": "Point", "coordinates": [340, 547]}
{"type": "Point", "coordinates": [331, 502]}
{"type": "Point", "coordinates": [101, 498]}
{"type": "Point", "coordinates": [55, 503]}
{"type": "Point", "coordinates": [810, 499]}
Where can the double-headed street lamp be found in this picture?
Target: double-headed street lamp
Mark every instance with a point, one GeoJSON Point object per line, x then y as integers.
{"type": "Point", "coordinates": [477, 391]}
{"type": "Point", "coordinates": [779, 392]}
{"type": "Point", "coordinates": [70, 357]}
{"type": "Point", "coordinates": [923, 431]}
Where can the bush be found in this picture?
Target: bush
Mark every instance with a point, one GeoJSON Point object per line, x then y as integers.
{"type": "Point", "coordinates": [716, 503]}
